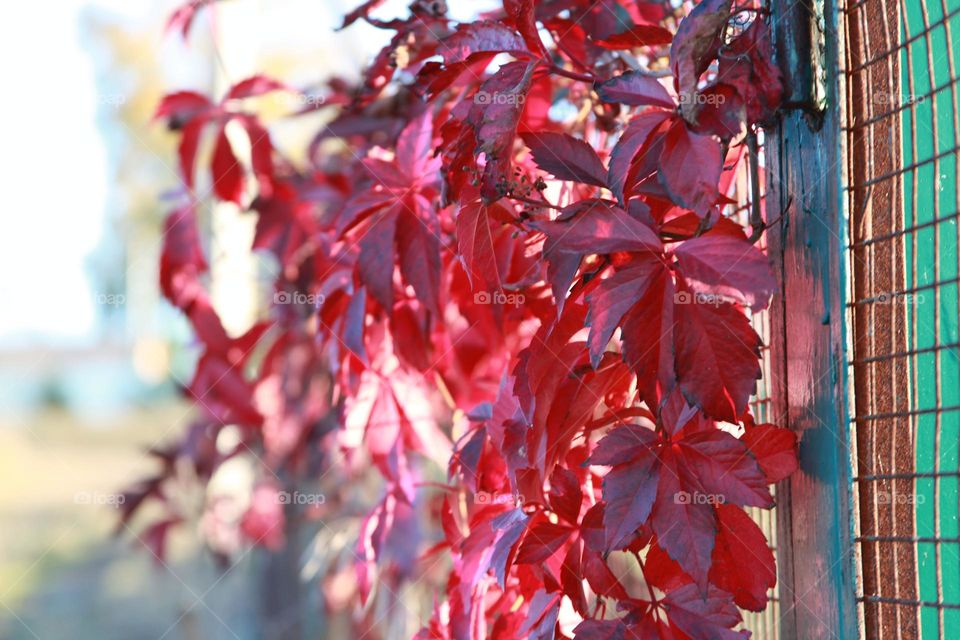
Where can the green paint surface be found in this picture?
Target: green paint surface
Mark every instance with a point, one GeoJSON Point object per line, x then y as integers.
{"type": "Point", "coordinates": [929, 139]}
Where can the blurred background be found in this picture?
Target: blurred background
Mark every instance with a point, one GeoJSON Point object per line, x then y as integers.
{"type": "Point", "coordinates": [91, 357]}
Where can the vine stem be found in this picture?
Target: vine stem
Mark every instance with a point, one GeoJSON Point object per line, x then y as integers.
{"type": "Point", "coordinates": [573, 75]}
{"type": "Point", "coordinates": [756, 215]}
{"type": "Point", "coordinates": [653, 597]}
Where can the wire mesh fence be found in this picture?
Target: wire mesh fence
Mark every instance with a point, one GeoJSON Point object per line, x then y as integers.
{"type": "Point", "coordinates": [901, 138]}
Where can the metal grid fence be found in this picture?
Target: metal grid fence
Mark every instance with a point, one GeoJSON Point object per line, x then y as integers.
{"type": "Point", "coordinates": [902, 137]}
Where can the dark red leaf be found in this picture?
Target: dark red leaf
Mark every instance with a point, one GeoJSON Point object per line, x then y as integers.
{"type": "Point", "coordinates": [728, 267]}
{"type": "Point", "coordinates": [523, 15]}
{"type": "Point", "coordinates": [695, 46]}
{"type": "Point", "coordinates": [636, 89]}
{"type": "Point", "coordinates": [703, 618]}
{"type": "Point", "coordinates": [509, 527]}
{"type": "Point", "coordinates": [748, 66]}
{"type": "Point", "coordinates": [599, 226]}
{"type": "Point", "coordinates": [418, 244]}
{"type": "Point", "coordinates": [648, 335]}
{"type": "Point", "coordinates": [639, 35]}
{"type": "Point", "coordinates": [377, 255]}
{"type": "Point", "coordinates": [565, 494]}
{"type": "Point", "coordinates": [725, 468]}
{"type": "Point", "coordinates": [685, 526]}
{"type": "Point", "coordinates": [566, 157]}
{"type": "Point", "coordinates": [634, 139]}
{"type": "Point", "coordinates": [481, 37]}
{"type": "Point", "coordinates": [571, 578]}
{"type": "Point", "coordinates": [495, 115]}
{"type": "Point", "coordinates": [541, 541]}
{"type": "Point", "coordinates": [600, 630]}
{"type": "Point", "coordinates": [624, 444]}
{"type": "Point", "coordinates": [615, 296]}
{"type": "Point", "coordinates": [690, 167]}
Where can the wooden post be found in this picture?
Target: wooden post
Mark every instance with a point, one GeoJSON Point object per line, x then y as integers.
{"type": "Point", "coordinates": [817, 579]}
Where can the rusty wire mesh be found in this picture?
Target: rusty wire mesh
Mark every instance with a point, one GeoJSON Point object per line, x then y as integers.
{"type": "Point", "coordinates": [901, 138]}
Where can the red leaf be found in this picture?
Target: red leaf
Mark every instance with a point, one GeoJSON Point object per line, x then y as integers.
{"type": "Point", "coordinates": [661, 571]}
{"type": "Point", "coordinates": [717, 355]}
{"type": "Point", "coordinates": [360, 12]}
{"type": "Point", "coordinates": [523, 15]}
{"type": "Point", "coordinates": [598, 226]}
{"type": "Point", "coordinates": [629, 489]}
{"type": "Point", "coordinates": [729, 267]}
{"type": "Point", "coordinates": [600, 630]}
{"type": "Point", "coordinates": [495, 115]}
{"type": "Point", "coordinates": [541, 541]}
{"type": "Point", "coordinates": [509, 527]}
{"type": "Point", "coordinates": [253, 86]}
{"type": "Point", "coordinates": [481, 37]}
{"type": "Point", "coordinates": [566, 157]}
{"type": "Point", "coordinates": [599, 577]}
{"type": "Point", "coordinates": [414, 145]}
{"type": "Point", "coordinates": [703, 617]}
{"type": "Point", "coordinates": [565, 494]}
{"type": "Point", "coordinates": [775, 450]}
{"type": "Point", "coordinates": [187, 149]}
{"type": "Point", "coordinates": [182, 106]}
{"type": "Point", "coordinates": [624, 444]}
{"type": "Point", "coordinates": [724, 467]}
{"type": "Point", "coordinates": [648, 335]}
{"type": "Point", "coordinates": [541, 616]}
{"type": "Point", "coordinates": [635, 89]}
{"type": "Point", "coordinates": [695, 45]}
{"type": "Point", "coordinates": [639, 35]}
{"type": "Point", "coordinates": [377, 255]}
{"type": "Point", "coordinates": [685, 527]}
{"type": "Point", "coordinates": [748, 66]}
{"type": "Point", "coordinates": [743, 564]}
{"type": "Point", "coordinates": [184, 16]}
{"type": "Point", "coordinates": [571, 578]}
{"type": "Point", "coordinates": [614, 296]}
{"type": "Point", "coordinates": [475, 240]}
{"type": "Point", "coordinates": [690, 167]}
{"type": "Point", "coordinates": [419, 247]}
{"type": "Point", "coordinates": [634, 139]}
{"type": "Point", "coordinates": [226, 171]}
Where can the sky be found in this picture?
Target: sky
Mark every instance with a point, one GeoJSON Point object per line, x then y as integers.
{"type": "Point", "coordinates": [55, 167]}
